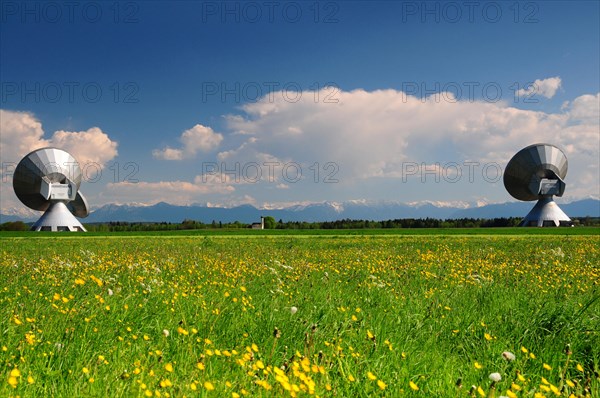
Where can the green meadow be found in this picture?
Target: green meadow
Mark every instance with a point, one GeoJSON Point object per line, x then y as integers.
{"type": "Point", "coordinates": [436, 313]}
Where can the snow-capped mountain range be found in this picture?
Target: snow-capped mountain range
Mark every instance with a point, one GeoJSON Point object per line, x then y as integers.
{"type": "Point", "coordinates": [324, 211]}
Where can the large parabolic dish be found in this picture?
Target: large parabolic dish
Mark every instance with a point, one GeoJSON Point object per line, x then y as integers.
{"type": "Point", "coordinates": [537, 172]}
{"type": "Point", "coordinates": [48, 180]}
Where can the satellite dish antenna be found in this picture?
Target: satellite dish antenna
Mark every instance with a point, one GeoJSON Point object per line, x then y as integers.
{"type": "Point", "coordinates": [536, 172]}
{"type": "Point", "coordinates": [48, 180]}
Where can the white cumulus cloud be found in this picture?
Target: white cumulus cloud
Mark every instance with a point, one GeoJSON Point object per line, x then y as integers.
{"type": "Point", "coordinates": [197, 139]}
{"type": "Point", "coordinates": [23, 133]}
{"type": "Point", "coordinates": [544, 87]}
{"type": "Point", "coordinates": [584, 109]}
{"type": "Point", "coordinates": [90, 146]}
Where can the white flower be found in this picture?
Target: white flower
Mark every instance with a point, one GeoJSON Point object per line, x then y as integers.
{"type": "Point", "coordinates": [509, 356]}
{"type": "Point", "coordinates": [495, 377]}
{"type": "Point", "coordinates": [110, 292]}
{"type": "Point", "coordinates": [293, 310]}
{"type": "Point", "coordinates": [166, 332]}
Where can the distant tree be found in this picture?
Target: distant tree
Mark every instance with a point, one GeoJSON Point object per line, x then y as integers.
{"type": "Point", "coordinates": [14, 226]}
{"type": "Point", "coordinates": [270, 222]}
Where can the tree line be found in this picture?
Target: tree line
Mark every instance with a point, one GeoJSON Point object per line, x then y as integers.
{"type": "Point", "coordinates": [271, 223]}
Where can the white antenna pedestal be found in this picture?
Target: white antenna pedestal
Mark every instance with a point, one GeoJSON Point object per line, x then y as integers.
{"type": "Point", "coordinates": [58, 218]}
{"type": "Point", "coordinates": [545, 213]}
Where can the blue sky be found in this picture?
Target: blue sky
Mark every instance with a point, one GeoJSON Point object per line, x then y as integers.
{"type": "Point", "coordinates": [123, 82]}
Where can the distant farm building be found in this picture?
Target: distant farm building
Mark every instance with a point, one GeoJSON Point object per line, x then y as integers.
{"type": "Point", "coordinates": [259, 225]}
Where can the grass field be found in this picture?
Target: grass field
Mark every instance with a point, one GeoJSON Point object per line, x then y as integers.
{"type": "Point", "coordinates": [431, 315]}
{"type": "Point", "coordinates": [326, 232]}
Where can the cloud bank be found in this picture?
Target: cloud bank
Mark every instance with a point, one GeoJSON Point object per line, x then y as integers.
{"type": "Point", "coordinates": [372, 134]}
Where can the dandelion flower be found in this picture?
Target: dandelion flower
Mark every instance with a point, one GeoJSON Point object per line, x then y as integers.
{"type": "Point", "coordinates": [413, 386]}
{"type": "Point", "coordinates": [478, 365]}
{"type": "Point", "coordinates": [381, 384]}
{"type": "Point", "coordinates": [547, 367]}
{"type": "Point", "coordinates": [495, 377]}
{"type": "Point", "coordinates": [165, 383]}
{"type": "Point", "coordinates": [85, 370]}
{"type": "Point", "coordinates": [351, 378]}
{"type": "Point", "coordinates": [182, 331]}
{"type": "Point", "coordinates": [371, 376]}
{"type": "Point", "coordinates": [13, 381]}
{"type": "Point", "coordinates": [509, 356]}
{"type": "Point", "coordinates": [209, 386]}
{"type": "Point", "coordinates": [169, 367]}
